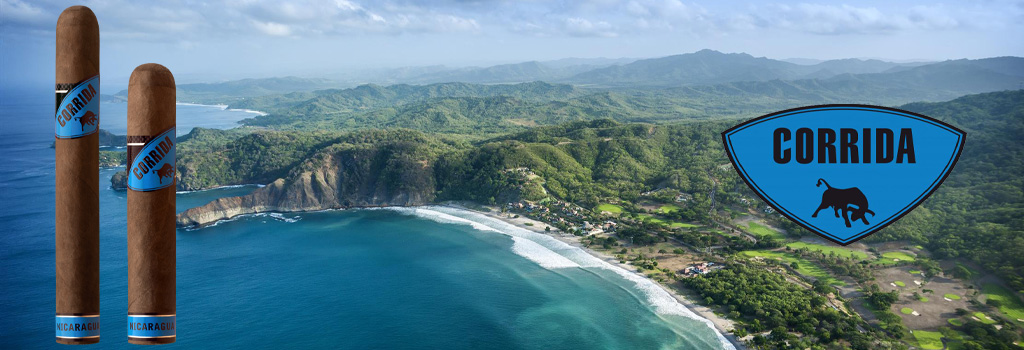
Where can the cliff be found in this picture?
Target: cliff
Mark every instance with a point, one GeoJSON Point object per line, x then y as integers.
{"type": "Point", "coordinates": [344, 175]}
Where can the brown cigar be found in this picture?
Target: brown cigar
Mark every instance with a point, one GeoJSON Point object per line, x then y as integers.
{"type": "Point", "coordinates": [77, 177]}
{"type": "Point", "coordinates": [151, 232]}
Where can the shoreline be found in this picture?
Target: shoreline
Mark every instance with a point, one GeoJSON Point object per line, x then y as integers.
{"type": "Point", "coordinates": [222, 107]}
{"type": "Point", "coordinates": [721, 324]}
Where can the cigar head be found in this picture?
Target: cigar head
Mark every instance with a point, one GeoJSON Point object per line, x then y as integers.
{"type": "Point", "coordinates": [151, 98]}
{"type": "Point", "coordinates": [78, 45]}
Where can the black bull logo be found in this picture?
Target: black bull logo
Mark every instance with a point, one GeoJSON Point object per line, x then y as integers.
{"type": "Point", "coordinates": [88, 118]}
{"type": "Point", "coordinates": [166, 171]}
{"type": "Point", "coordinates": [849, 200]}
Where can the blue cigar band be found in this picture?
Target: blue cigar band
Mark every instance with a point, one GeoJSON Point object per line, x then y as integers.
{"type": "Point", "coordinates": [151, 326]}
{"type": "Point", "coordinates": [78, 109]}
{"type": "Point", "coordinates": [78, 327]}
{"type": "Point", "coordinates": [151, 164]}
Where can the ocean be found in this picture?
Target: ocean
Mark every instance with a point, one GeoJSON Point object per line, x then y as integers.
{"type": "Point", "coordinates": [401, 278]}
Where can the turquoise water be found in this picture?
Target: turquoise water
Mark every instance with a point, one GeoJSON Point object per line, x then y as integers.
{"type": "Point", "coordinates": [427, 278]}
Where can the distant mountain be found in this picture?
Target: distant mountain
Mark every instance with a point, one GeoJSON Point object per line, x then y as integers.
{"type": "Point", "coordinates": [959, 76]}
{"type": "Point", "coordinates": [376, 96]}
{"type": "Point", "coordinates": [700, 68]}
{"type": "Point", "coordinates": [832, 68]}
{"type": "Point", "coordinates": [225, 92]}
{"type": "Point", "coordinates": [707, 68]}
{"type": "Point", "coordinates": [516, 72]}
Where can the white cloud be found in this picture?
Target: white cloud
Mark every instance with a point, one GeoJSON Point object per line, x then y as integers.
{"type": "Point", "coordinates": [845, 19]}
{"type": "Point", "coordinates": [271, 28]}
{"type": "Point", "coordinates": [583, 27]}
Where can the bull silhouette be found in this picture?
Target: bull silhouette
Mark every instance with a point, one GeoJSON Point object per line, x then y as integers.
{"type": "Point", "coordinates": [167, 170]}
{"type": "Point", "coordinates": [849, 200]}
{"type": "Point", "coordinates": [88, 118]}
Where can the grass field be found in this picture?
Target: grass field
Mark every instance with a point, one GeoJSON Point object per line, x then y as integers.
{"type": "Point", "coordinates": [955, 322]}
{"type": "Point", "coordinates": [829, 249]}
{"type": "Point", "coordinates": [1011, 305]}
{"type": "Point", "coordinates": [928, 340]}
{"type": "Point", "coordinates": [900, 283]}
{"type": "Point", "coordinates": [923, 299]}
{"type": "Point", "coordinates": [611, 208]}
{"type": "Point", "coordinates": [806, 267]}
{"type": "Point", "coordinates": [952, 296]}
{"type": "Point", "coordinates": [672, 224]}
{"type": "Point", "coordinates": [667, 208]}
{"type": "Point", "coordinates": [914, 272]}
{"type": "Point", "coordinates": [762, 230]}
{"type": "Point", "coordinates": [907, 311]}
{"type": "Point", "coordinates": [887, 258]}
{"type": "Point", "coordinates": [984, 319]}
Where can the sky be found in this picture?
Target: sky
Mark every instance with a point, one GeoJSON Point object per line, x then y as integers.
{"type": "Point", "coordinates": [209, 41]}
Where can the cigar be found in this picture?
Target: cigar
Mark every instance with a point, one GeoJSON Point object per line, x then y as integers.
{"type": "Point", "coordinates": [76, 144]}
{"type": "Point", "coordinates": [151, 232]}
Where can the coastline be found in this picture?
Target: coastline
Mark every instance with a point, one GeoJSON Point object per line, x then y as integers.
{"type": "Point", "coordinates": [719, 324]}
{"type": "Point", "coordinates": [722, 325]}
{"type": "Point", "coordinates": [222, 107]}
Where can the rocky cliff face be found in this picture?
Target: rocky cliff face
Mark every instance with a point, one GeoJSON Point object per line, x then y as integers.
{"type": "Point", "coordinates": [341, 176]}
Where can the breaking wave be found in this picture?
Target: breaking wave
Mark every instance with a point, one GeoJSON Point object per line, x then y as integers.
{"type": "Point", "coordinates": [551, 253]}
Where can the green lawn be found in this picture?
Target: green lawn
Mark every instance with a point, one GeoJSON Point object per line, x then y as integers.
{"type": "Point", "coordinates": [672, 224]}
{"type": "Point", "coordinates": [952, 296]}
{"type": "Point", "coordinates": [1011, 305]}
{"type": "Point", "coordinates": [955, 322]}
{"type": "Point", "coordinates": [829, 249]}
{"type": "Point", "coordinates": [907, 311]}
{"type": "Point", "coordinates": [887, 258]}
{"type": "Point", "coordinates": [667, 208]}
{"type": "Point", "coordinates": [611, 208]}
{"type": "Point", "coordinates": [914, 272]}
{"type": "Point", "coordinates": [923, 299]}
{"type": "Point", "coordinates": [806, 267]}
{"type": "Point", "coordinates": [981, 316]}
{"type": "Point", "coordinates": [900, 283]}
{"type": "Point", "coordinates": [928, 340]}
{"type": "Point", "coordinates": [762, 230]}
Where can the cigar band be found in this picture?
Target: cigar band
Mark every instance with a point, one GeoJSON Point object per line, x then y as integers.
{"type": "Point", "coordinates": [78, 108]}
{"type": "Point", "coordinates": [78, 326]}
{"type": "Point", "coordinates": [151, 326]}
{"type": "Point", "coordinates": [151, 161]}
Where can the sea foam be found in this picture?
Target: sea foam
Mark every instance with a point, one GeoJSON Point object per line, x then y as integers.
{"type": "Point", "coordinates": [551, 253]}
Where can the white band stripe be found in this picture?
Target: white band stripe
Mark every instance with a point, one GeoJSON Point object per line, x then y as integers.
{"type": "Point", "coordinates": [79, 316]}
{"type": "Point", "coordinates": [162, 336]}
{"type": "Point", "coordinates": [61, 91]}
{"type": "Point", "coordinates": [137, 144]}
{"type": "Point", "coordinates": [91, 336]}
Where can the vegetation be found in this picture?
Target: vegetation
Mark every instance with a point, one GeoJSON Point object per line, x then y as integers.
{"type": "Point", "coordinates": [546, 143]}
{"type": "Point", "coordinates": [1008, 303]}
{"type": "Point", "coordinates": [803, 266]}
{"type": "Point", "coordinates": [765, 301]}
{"type": "Point", "coordinates": [928, 340]}
{"type": "Point", "coordinates": [830, 250]}
{"type": "Point", "coordinates": [762, 230]}
{"type": "Point", "coordinates": [611, 208]}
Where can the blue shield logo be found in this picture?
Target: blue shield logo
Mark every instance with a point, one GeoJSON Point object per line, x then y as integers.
{"type": "Point", "coordinates": [844, 171]}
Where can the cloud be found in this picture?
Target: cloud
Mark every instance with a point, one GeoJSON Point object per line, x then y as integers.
{"type": "Point", "coordinates": [845, 19]}
{"type": "Point", "coordinates": [175, 20]}
{"type": "Point", "coordinates": [583, 27]}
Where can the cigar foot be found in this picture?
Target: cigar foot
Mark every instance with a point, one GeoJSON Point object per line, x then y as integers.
{"type": "Point", "coordinates": [151, 341]}
{"type": "Point", "coordinates": [79, 341]}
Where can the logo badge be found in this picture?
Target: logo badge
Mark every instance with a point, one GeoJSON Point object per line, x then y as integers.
{"type": "Point", "coordinates": [844, 171]}
{"type": "Point", "coordinates": [78, 109]}
{"type": "Point", "coordinates": [151, 165]}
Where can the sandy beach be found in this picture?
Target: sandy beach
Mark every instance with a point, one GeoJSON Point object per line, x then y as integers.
{"type": "Point", "coordinates": [722, 325]}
